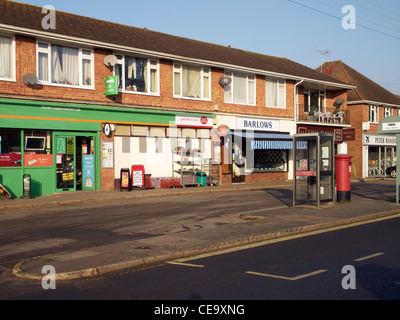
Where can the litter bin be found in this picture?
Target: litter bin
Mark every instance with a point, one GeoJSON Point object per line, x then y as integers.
{"type": "Point", "coordinates": [201, 178]}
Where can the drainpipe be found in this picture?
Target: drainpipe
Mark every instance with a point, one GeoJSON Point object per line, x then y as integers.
{"type": "Point", "coordinates": [296, 102]}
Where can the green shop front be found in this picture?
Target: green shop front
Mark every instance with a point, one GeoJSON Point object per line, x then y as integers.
{"type": "Point", "coordinates": [58, 145]}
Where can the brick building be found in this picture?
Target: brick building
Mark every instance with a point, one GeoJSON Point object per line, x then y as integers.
{"type": "Point", "coordinates": [172, 95]}
{"type": "Point", "coordinates": [369, 104]}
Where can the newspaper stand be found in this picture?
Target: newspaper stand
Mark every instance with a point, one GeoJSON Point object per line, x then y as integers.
{"type": "Point", "coordinates": [137, 176]}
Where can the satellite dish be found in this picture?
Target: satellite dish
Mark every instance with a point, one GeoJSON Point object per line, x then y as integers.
{"type": "Point", "coordinates": [30, 79]}
{"type": "Point", "coordinates": [110, 60]}
{"type": "Point", "coordinates": [339, 101]}
{"type": "Point", "coordinates": [225, 81]}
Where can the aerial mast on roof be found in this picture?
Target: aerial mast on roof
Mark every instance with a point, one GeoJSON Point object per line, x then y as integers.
{"type": "Point", "coordinates": [323, 53]}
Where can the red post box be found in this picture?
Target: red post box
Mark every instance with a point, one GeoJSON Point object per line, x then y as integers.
{"type": "Point", "coordinates": [343, 179]}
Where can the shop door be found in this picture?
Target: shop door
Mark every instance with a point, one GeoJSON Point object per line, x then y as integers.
{"type": "Point", "coordinates": [65, 159]}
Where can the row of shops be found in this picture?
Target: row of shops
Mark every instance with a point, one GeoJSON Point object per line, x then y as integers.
{"type": "Point", "coordinates": [66, 147]}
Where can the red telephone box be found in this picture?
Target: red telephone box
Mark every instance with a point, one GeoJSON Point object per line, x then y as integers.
{"type": "Point", "coordinates": [343, 177]}
{"type": "Point", "coordinates": [137, 176]}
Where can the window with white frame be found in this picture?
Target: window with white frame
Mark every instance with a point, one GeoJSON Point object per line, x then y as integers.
{"type": "Point", "coordinates": [65, 65]}
{"type": "Point", "coordinates": [7, 59]}
{"type": "Point", "coordinates": [387, 112]}
{"type": "Point", "coordinates": [314, 100]}
{"type": "Point", "coordinates": [373, 114]}
{"type": "Point", "coordinates": [192, 82]}
{"type": "Point", "coordinates": [242, 89]}
{"type": "Point", "coordinates": [139, 75]}
{"type": "Point", "coordinates": [275, 91]}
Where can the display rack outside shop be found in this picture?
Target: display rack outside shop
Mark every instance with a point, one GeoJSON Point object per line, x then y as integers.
{"type": "Point", "coordinates": [185, 165]}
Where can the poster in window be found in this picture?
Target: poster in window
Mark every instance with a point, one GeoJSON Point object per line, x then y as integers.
{"type": "Point", "coordinates": [88, 171]}
{"type": "Point", "coordinates": [107, 151]}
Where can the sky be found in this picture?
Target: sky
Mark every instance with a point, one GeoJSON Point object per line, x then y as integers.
{"type": "Point", "coordinates": [300, 30]}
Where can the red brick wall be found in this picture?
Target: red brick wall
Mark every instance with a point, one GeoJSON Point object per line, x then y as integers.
{"type": "Point", "coordinates": [26, 63]}
{"type": "Point", "coordinates": [107, 175]}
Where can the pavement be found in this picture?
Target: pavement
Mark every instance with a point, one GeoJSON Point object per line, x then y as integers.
{"type": "Point", "coordinates": [269, 224]}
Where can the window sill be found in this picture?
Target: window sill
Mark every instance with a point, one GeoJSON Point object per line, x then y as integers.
{"type": "Point", "coordinates": [242, 104]}
{"type": "Point", "coordinates": [7, 80]}
{"type": "Point", "coordinates": [153, 94]}
{"type": "Point", "coordinates": [65, 86]}
{"type": "Point", "coordinates": [274, 107]}
{"type": "Point", "coordinates": [193, 99]}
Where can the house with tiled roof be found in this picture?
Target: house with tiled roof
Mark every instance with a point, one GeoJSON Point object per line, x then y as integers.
{"type": "Point", "coordinates": [369, 103]}
{"type": "Point", "coordinates": [82, 100]}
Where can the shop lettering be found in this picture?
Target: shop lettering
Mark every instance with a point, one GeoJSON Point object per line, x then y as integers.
{"type": "Point", "coordinates": [257, 124]}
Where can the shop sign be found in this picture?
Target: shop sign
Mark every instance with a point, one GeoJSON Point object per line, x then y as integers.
{"type": "Point", "coordinates": [194, 121]}
{"type": "Point", "coordinates": [340, 135]}
{"type": "Point", "coordinates": [349, 134]}
{"type": "Point", "coordinates": [111, 86]}
{"type": "Point", "coordinates": [379, 140]}
{"type": "Point", "coordinates": [390, 126]}
{"type": "Point", "coordinates": [257, 124]}
{"type": "Point", "coordinates": [223, 131]}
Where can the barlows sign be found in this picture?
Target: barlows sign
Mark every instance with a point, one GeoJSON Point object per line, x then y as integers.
{"type": "Point", "coordinates": [257, 124]}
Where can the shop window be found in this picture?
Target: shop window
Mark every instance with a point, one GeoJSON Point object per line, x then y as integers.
{"type": "Point", "coordinates": [137, 75]}
{"type": "Point", "coordinates": [37, 142]}
{"type": "Point", "coordinates": [269, 160]}
{"type": "Point", "coordinates": [64, 65]}
{"type": "Point", "coordinates": [6, 58]}
{"type": "Point", "coordinates": [192, 82]}
{"type": "Point", "coordinates": [140, 131]}
{"type": "Point", "coordinates": [123, 130]}
{"type": "Point", "coordinates": [242, 89]}
{"type": "Point", "coordinates": [10, 148]}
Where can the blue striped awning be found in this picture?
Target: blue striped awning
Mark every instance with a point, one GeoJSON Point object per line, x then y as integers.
{"type": "Point", "coordinates": [277, 145]}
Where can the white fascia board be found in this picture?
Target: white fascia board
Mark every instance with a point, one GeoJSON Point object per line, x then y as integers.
{"type": "Point", "coordinates": [374, 103]}
{"type": "Point", "coordinates": [46, 36]}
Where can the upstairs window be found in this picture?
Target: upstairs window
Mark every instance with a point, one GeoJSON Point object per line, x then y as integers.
{"type": "Point", "coordinates": [64, 65]}
{"type": "Point", "coordinates": [275, 91]}
{"type": "Point", "coordinates": [241, 90]}
{"type": "Point", "coordinates": [373, 114]}
{"type": "Point", "coordinates": [6, 58]}
{"type": "Point", "coordinates": [192, 82]}
{"type": "Point", "coordinates": [137, 74]}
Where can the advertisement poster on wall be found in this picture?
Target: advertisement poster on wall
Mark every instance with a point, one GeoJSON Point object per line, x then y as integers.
{"type": "Point", "coordinates": [88, 170]}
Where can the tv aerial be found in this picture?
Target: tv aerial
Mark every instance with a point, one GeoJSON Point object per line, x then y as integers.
{"type": "Point", "coordinates": [323, 53]}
